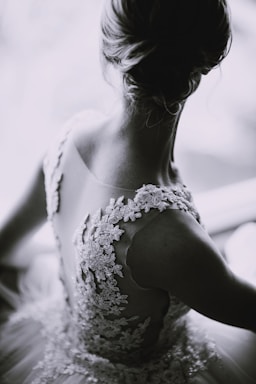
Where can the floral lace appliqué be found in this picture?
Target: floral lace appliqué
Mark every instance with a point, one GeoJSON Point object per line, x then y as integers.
{"type": "Point", "coordinates": [53, 175]}
{"type": "Point", "coordinates": [88, 339]}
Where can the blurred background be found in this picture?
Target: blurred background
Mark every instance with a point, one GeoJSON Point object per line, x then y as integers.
{"type": "Point", "coordinates": [49, 70]}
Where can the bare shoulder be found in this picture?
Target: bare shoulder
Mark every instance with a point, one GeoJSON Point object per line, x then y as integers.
{"type": "Point", "coordinates": [171, 248]}
{"type": "Point", "coordinates": [86, 124]}
{"type": "Point", "coordinates": [78, 131]}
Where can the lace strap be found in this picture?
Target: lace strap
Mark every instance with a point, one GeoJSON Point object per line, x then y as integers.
{"type": "Point", "coordinates": [153, 197]}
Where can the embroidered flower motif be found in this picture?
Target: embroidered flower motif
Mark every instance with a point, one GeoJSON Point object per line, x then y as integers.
{"type": "Point", "coordinates": [131, 211]}
{"type": "Point", "coordinates": [53, 175]}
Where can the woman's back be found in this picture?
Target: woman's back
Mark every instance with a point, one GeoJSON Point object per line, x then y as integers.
{"type": "Point", "coordinates": [96, 225]}
{"type": "Point", "coordinates": [113, 322]}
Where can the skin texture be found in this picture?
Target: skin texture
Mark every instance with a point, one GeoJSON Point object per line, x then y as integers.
{"type": "Point", "coordinates": [182, 260]}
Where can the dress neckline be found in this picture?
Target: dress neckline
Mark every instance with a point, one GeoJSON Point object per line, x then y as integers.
{"type": "Point", "coordinates": [179, 185]}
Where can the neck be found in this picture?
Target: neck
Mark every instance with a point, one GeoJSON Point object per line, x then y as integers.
{"type": "Point", "coordinates": [154, 133]}
{"type": "Point", "coordinates": [151, 139]}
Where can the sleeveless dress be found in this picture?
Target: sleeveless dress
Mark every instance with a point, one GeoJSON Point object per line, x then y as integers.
{"type": "Point", "coordinates": [64, 322]}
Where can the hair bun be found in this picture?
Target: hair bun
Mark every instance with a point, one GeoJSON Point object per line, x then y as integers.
{"type": "Point", "coordinates": [163, 47]}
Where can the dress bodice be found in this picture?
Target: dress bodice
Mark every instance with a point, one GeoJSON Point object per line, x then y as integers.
{"type": "Point", "coordinates": [99, 301]}
{"type": "Point", "coordinates": [97, 323]}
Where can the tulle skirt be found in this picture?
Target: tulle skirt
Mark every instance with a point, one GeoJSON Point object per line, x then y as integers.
{"type": "Point", "coordinates": [38, 289]}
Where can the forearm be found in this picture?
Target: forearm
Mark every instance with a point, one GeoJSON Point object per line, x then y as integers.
{"type": "Point", "coordinates": [233, 304]}
{"type": "Point", "coordinates": [242, 305]}
{"type": "Point", "coordinates": [25, 218]}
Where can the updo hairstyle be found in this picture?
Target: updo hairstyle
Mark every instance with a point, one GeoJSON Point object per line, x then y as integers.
{"type": "Point", "coordinates": [162, 47]}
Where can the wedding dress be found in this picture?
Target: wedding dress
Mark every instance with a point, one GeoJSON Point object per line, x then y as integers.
{"type": "Point", "coordinates": [68, 320]}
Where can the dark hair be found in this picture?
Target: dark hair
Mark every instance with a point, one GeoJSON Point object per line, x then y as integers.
{"type": "Point", "coordinates": [162, 47]}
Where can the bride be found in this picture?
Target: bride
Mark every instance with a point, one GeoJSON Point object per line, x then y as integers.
{"type": "Point", "coordinates": [136, 291]}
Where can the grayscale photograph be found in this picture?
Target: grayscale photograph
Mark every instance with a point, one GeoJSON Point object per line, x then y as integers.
{"type": "Point", "coordinates": [128, 191]}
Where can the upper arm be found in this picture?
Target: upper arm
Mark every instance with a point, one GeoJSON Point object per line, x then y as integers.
{"type": "Point", "coordinates": [24, 219]}
{"type": "Point", "coordinates": [176, 255]}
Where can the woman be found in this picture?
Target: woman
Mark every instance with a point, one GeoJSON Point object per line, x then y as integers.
{"type": "Point", "coordinates": [134, 257]}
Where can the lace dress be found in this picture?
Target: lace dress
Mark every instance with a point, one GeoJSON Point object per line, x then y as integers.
{"type": "Point", "coordinates": [69, 322]}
